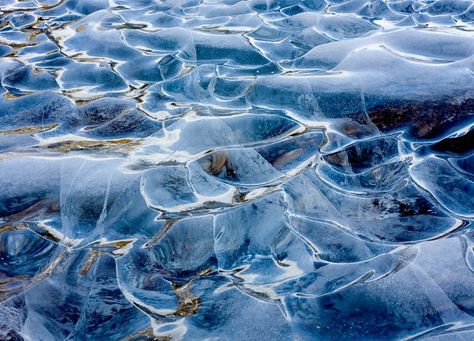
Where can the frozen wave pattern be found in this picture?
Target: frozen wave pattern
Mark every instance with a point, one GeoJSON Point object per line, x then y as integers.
{"type": "Point", "coordinates": [236, 170]}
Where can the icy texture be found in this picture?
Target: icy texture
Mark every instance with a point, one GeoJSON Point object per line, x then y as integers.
{"type": "Point", "coordinates": [236, 170]}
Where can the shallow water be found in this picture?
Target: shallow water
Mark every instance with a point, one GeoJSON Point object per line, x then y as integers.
{"type": "Point", "coordinates": [236, 170]}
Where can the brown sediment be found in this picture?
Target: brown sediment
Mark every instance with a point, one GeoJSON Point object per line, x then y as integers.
{"type": "Point", "coordinates": [16, 45]}
{"type": "Point", "coordinates": [81, 28]}
{"type": "Point", "coordinates": [287, 158]}
{"type": "Point", "coordinates": [188, 307]}
{"type": "Point", "coordinates": [30, 9]}
{"type": "Point", "coordinates": [424, 119]}
{"type": "Point", "coordinates": [10, 280]}
{"type": "Point", "coordinates": [113, 246]}
{"type": "Point", "coordinates": [338, 158]}
{"type": "Point", "coordinates": [92, 257]}
{"type": "Point", "coordinates": [218, 161]}
{"type": "Point", "coordinates": [169, 223]}
{"type": "Point", "coordinates": [31, 130]}
{"type": "Point", "coordinates": [117, 145]}
{"type": "Point", "coordinates": [9, 96]}
{"type": "Point", "coordinates": [34, 34]}
{"type": "Point", "coordinates": [188, 303]}
{"type": "Point", "coordinates": [4, 24]}
{"type": "Point", "coordinates": [35, 210]}
{"type": "Point", "coordinates": [122, 243]}
{"type": "Point", "coordinates": [12, 227]}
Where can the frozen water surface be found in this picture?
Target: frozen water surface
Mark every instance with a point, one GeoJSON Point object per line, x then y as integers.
{"type": "Point", "coordinates": [236, 170]}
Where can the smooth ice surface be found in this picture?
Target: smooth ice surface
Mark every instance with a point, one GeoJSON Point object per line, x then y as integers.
{"type": "Point", "coordinates": [236, 170]}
